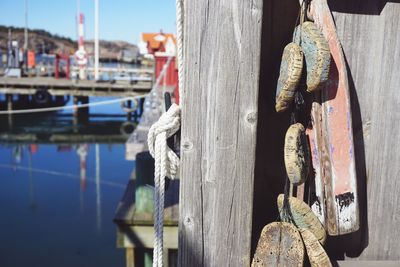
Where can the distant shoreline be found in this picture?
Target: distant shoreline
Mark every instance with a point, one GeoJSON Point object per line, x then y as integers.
{"type": "Point", "coordinates": [42, 41]}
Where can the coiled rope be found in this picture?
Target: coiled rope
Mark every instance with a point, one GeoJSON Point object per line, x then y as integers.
{"type": "Point", "coordinates": [166, 165]}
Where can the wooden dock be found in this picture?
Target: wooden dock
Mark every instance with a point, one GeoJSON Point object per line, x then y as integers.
{"type": "Point", "coordinates": [64, 130]}
{"type": "Point", "coordinates": [135, 230]}
{"type": "Point", "coordinates": [149, 71]}
{"type": "Point", "coordinates": [62, 87]}
{"type": "Point", "coordinates": [61, 139]}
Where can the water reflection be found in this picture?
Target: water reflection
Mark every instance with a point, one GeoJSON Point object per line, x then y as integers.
{"type": "Point", "coordinates": [59, 186]}
{"type": "Point", "coordinates": [62, 129]}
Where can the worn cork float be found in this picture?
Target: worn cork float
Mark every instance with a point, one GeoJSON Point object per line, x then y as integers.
{"type": "Point", "coordinates": [296, 154]}
{"type": "Point", "coordinates": [303, 217]}
{"type": "Point", "coordinates": [331, 138]}
{"type": "Point", "coordinates": [315, 252]}
{"type": "Point", "coordinates": [317, 55]}
{"type": "Point", "coordinates": [289, 76]}
{"type": "Point", "coordinates": [280, 244]}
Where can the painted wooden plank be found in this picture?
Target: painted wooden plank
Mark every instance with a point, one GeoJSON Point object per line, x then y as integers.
{"type": "Point", "coordinates": [337, 132]}
{"type": "Point", "coordinates": [371, 42]}
{"type": "Point", "coordinates": [315, 137]}
{"type": "Point", "coordinates": [222, 42]}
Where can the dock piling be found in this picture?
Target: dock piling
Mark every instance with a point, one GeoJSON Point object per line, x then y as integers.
{"type": "Point", "coordinates": [219, 126]}
{"type": "Point", "coordinates": [9, 99]}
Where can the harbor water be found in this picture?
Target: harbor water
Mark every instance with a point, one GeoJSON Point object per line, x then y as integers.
{"type": "Point", "coordinates": [59, 187]}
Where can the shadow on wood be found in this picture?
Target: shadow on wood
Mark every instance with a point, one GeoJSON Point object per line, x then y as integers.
{"type": "Point", "coordinates": [279, 18]}
{"type": "Point", "coordinates": [367, 7]}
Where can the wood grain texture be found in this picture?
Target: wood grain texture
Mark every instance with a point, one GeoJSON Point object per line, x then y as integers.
{"type": "Point", "coordinates": [371, 43]}
{"type": "Point", "coordinates": [222, 42]}
{"type": "Point", "coordinates": [142, 236]}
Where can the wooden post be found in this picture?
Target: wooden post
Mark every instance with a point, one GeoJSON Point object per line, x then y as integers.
{"type": "Point", "coordinates": [222, 43]}
{"type": "Point", "coordinates": [9, 102]}
{"type": "Point", "coordinates": [148, 258]}
{"type": "Point", "coordinates": [9, 98]}
{"type": "Point", "coordinates": [84, 111]}
{"type": "Point", "coordinates": [130, 257]}
{"type": "Point", "coordinates": [75, 114]}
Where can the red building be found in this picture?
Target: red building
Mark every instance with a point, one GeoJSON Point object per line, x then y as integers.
{"type": "Point", "coordinates": [157, 42]}
{"type": "Point", "coordinates": [162, 46]}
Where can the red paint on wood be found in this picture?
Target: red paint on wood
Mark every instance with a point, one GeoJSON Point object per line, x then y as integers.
{"type": "Point", "coordinates": [337, 149]}
{"type": "Point", "coordinates": [171, 76]}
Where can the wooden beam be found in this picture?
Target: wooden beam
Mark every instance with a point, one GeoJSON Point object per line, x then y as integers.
{"type": "Point", "coordinates": [222, 43]}
{"type": "Point", "coordinates": [57, 87]}
{"type": "Point", "coordinates": [142, 236]}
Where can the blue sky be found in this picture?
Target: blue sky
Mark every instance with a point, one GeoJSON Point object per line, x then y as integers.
{"type": "Point", "coordinates": [119, 19]}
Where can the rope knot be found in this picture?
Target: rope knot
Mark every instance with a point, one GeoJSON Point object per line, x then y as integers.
{"type": "Point", "coordinates": [166, 161]}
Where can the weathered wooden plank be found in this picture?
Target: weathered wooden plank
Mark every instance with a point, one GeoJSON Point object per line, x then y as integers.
{"type": "Point", "coordinates": [219, 118]}
{"type": "Point", "coordinates": [142, 236]}
{"type": "Point", "coordinates": [342, 214]}
{"type": "Point", "coordinates": [314, 134]}
{"type": "Point", "coordinates": [371, 41]}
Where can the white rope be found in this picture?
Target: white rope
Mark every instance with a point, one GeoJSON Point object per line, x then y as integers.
{"type": "Point", "coordinates": [99, 103]}
{"type": "Point", "coordinates": [166, 161]}
{"type": "Point", "coordinates": [179, 41]}
{"type": "Point", "coordinates": [166, 165]}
